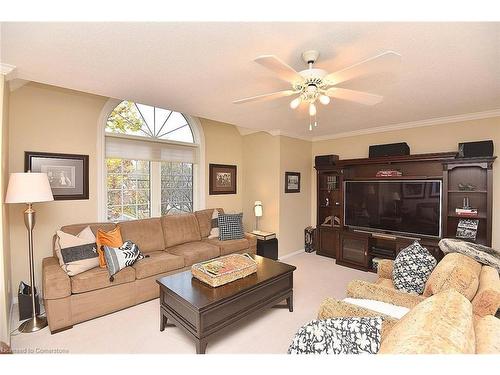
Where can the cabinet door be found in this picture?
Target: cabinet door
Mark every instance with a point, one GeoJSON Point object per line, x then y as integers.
{"type": "Point", "coordinates": [354, 249]}
{"type": "Point", "coordinates": [328, 242]}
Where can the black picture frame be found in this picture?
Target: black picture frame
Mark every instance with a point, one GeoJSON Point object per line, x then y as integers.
{"type": "Point", "coordinates": [73, 183]}
{"type": "Point", "coordinates": [292, 182]}
{"type": "Point", "coordinates": [223, 179]}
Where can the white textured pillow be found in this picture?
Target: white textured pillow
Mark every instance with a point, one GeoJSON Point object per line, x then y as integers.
{"type": "Point", "coordinates": [381, 307]}
{"type": "Point", "coordinates": [214, 232]}
{"type": "Point", "coordinates": [78, 253]}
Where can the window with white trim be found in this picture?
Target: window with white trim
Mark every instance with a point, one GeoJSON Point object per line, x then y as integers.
{"type": "Point", "coordinates": [150, 158]}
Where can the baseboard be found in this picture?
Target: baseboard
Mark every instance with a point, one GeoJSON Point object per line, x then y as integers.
{"type": "Point", "coordinates": [291, 254]}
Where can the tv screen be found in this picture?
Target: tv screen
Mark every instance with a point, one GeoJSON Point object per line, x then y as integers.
{"type": "Point", "coordinates": [409, 207]}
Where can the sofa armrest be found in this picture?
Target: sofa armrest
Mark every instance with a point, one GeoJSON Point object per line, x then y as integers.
{"type": "Point", "coordinates": [56, 283]}
{"type": "Point", "coordinates": [487, 299]}
{"type": "Point", "coordinates": [366, 290]}
{"type": "Point", "coordinates": [331, 308]}
{"type": "Point", "coordinates": [385, 268]}
{"type": "Point", "coordinates": [252, 239]}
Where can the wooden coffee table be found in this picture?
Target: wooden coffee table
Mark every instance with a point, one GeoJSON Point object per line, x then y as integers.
{"type": "Point", "coordinates": [202, 311]}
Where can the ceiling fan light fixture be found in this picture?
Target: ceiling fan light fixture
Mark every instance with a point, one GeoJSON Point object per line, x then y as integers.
{"type": "Point", "coordinates": [295, 102]}
{"type": "Point", "coordinates": [312, 109]}
{"type": "Point", "coordinates": [325, 100]}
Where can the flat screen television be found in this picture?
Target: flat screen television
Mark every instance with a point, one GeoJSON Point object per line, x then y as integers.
{"type": "Point", "coordinates": [396, 206]}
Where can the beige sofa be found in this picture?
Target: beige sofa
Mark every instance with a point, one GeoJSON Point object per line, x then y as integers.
{"type": "Point", "coordinates": [173, 244]}
{"type": "Point", "coordinates": [478, 283]}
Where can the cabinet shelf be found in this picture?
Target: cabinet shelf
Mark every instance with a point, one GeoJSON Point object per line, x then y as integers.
{"type": "Point", "coordinates": [468, 192]}
{"type": "Point", "coordinates": [479, 216]}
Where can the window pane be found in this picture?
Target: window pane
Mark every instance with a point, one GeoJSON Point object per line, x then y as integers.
{"type": "Point", "coordinates": [150, 122]}
{"type": "Point", "coordinates": [128, 183]}
{"type": "Point", "coordinates": [176, 187]}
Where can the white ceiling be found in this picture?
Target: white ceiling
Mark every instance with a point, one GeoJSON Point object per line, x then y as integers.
{"type": "Point", "coordinates": [447, 69]}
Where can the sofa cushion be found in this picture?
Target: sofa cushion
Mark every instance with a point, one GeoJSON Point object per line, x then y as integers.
{"type": "Point", "coordinates": [385, 282]}
{"type": "Point", "coordinates": [230, 246]}
{"type": "Point", "coordinates": [441, 324]}
{"type": "Point", "coordinates": [98, 278]}
{"type": "Point", "coordinates": [179, 229]}
{"type": "Point", "coordinates": [412, 268]}
{"type": "Point", "coordinates": [157, 262]}
{"type": "Point", "coordinates": [145, 233]}
{"type": "Point", "coordinates": [117, 258]}
{"type": "Point", "coordinates": [231, 226]}
{"type": "Point", "coordinates": [74, 229]}
{"type": "Point", "coordinates": [111, 238]}
{"type": "Point", "coordinates": [487, 330]}
{"type": "Point", "coordinates": [487, 299]}
{"type": "Point", "coordinates": [346, 335]}
{"type": "Point", "coordinates": [194, 252]}
{"type": "Point", "coordinates": [455, 271]}
{"type": "Point", "coordinates": [204, 218]}
{"type": "Point", "coordinates": [78, 253]}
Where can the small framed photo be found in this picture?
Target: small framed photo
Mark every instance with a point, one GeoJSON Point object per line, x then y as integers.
{"type": "Point", "coordinates": [222, 179]}
{"type": "Point", "coordinates": [68, 173]}
{"type": "Point", "coordinates": [292, 182]}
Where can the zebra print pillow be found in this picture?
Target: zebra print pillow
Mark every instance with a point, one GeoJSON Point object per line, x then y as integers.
{"type": "Point", "coordinates": [121, 257]}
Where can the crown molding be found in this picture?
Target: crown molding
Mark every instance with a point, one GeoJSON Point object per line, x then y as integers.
{"type": "Point", "coordinates": [246, 131]}
{"type": "Point", "coordinates": [413, 124]}
{"type": "Point", "coordinates": [6, 69]}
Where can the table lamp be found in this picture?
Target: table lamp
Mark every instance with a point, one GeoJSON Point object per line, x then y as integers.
{"type": "Point", "coordinates": [30, 188]}
{"type": "Point", "coordinates": [258, 213]}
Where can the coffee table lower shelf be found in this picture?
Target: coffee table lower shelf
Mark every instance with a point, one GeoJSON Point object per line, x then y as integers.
{"type": "Point", "coordinates": [202, 311]}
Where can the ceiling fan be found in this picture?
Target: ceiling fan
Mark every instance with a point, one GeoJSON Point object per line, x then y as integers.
{"type": "Point", "coordinates": [314, 84]}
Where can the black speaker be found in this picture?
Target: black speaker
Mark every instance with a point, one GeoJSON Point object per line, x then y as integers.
{"type": "Point", "coordinates": [325, 160]}
{"type": "Point", "coordinates": [475, 149]}
{"type": "Point", "coordinates": [390, 149]}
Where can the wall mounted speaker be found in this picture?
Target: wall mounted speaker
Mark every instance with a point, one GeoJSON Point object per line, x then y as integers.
{"type": "Point", "coordinates": [475, 149]}
{"type": "Point", "coordinates": [325, 160]}
{"type": "Point", "coordinates": [390, 149]}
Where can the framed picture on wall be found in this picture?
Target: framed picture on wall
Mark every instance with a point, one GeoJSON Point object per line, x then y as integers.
{"type": "Point", "coordinates": [68, 173]}
{"type": "Point", "coordinates": [292, 182]}
{"type": "Point", "coordinates": [222, 179]}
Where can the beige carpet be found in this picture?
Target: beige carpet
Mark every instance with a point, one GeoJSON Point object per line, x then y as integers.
{"type": "Point", "coordinates": [136, 329]}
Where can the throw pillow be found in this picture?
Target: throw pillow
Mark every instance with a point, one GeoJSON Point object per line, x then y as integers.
{"type": "Point", "coordinates": [121, 257]}
{"type": "Point", "coordinates": [78, 253]}
{"type": "Point", "coordinates": [230, 227]}
{"type": "Point", "coordinates": [113, 238]}
{"type": "Point", "coordinates": [349, 335]}
{"type": "Point", "coordinates": [412, 268]}
{"type": "Point", "coordinates": [214, 225]}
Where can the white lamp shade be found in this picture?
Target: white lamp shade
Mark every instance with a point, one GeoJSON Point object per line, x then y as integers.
{"type": "Point", "coordinates": [258, 208]}
{"type": "Point", "coordinates": [28, 188]}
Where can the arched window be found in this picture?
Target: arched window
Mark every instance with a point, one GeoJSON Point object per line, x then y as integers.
{"type": "Point", "coordinates": [151, 154]}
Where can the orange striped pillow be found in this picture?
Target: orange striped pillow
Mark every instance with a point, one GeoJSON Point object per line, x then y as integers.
{"type": "Point", "coordinates": [113, 238]}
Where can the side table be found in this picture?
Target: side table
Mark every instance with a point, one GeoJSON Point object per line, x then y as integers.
{"type": "Point", "coordinates": [267, 244]}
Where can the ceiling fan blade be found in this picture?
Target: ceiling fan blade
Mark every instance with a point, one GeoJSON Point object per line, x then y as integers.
{"type": "Point", "coordinates": [263, 97]}
{"type": "Point", "coordinates": [379, 63]}
{"type": "Point", "coordinates": [281, 69]}
{"type": "Point", "coordinates": [354, 96]}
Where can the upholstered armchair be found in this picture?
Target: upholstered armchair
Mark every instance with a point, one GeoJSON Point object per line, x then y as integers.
{"type": "Point", "coordinates": [479, 284]}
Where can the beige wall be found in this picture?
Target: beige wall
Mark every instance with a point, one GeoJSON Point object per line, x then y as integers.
{"type": "Point", "coordinates": [436, 138]}
{"type": "Point", "coordinates": [5, 273]}
{"type": "Point", "coordinates": [261, 153]}
{"type": "Point", "coordinates": [266, 158]}
{"type": "Point", "coordinates": [295, 208]}
{"type": "Point", "coordinates": [50, 119]}
{"type": "Point", "coordinates": [223, 145]}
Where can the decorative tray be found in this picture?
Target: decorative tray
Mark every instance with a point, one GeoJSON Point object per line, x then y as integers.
{"type": "Point", "coordinates": [223, 270]}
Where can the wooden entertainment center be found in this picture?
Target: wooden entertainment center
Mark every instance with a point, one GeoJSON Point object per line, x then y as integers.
{"type": "Point", "coordinates": [356, 248]}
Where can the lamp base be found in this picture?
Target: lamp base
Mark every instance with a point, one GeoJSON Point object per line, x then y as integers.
{"type": "Point", "coordinates": [33, 324]}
